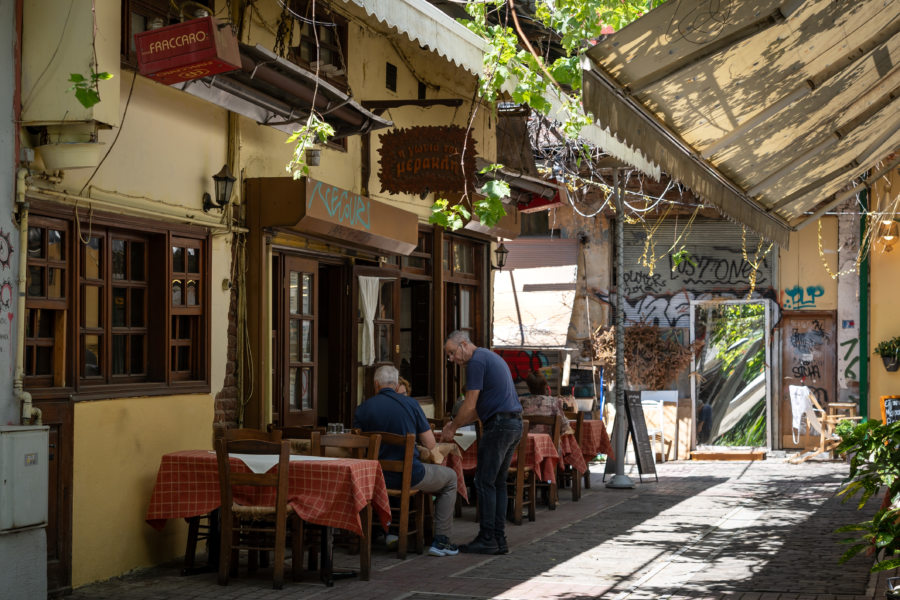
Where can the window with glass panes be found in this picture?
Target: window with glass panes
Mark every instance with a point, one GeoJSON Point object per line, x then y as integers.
{"type": "Point", "coordinates": [95, 309]}
{"type": "Point", "coordinates": [322, 41]}
{"type": "Point", "coordinates": [185, 306]}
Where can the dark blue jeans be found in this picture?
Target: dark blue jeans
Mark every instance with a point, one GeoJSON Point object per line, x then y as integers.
{"type": "Point", "coordinates": [499, 438]}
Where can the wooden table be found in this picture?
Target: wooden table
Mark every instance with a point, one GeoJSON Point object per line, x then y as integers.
{"type": "Point", "coordinates": [332, 493]}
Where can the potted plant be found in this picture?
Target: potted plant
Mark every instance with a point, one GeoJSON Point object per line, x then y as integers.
{"type": "Point", "coordinates": [874, 451]}
{"type": "Point", "coordinates": [889, 350]}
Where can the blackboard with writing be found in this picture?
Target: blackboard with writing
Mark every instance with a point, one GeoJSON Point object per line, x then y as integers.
{"type": "Point", "coordinates": [890, 409]}
{"type": "Point", "coordinates": [640, 439]}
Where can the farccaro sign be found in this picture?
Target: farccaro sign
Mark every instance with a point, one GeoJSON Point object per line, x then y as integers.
{"type": "Point", "coordinates": [189, 50]}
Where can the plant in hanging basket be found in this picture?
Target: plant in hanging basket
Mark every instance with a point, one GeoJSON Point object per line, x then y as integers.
{"type": "Point", "coordinates": [652, 359]}
{"type": "Point", "coordinates": [889, 350]}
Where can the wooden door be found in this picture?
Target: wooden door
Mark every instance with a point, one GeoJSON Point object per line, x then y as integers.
{"type": "Point", "coordinates": [299, 314]}
{"type": "Point", "coordinates": [57, 414]}
{"type": "Point", "coordinates": [809, 354]}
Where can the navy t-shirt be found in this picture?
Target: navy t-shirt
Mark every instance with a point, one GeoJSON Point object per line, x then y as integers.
{"type": "Point", "coordinates": [489, 373]}
{"type": "Point", "coordinates": [394, 413]}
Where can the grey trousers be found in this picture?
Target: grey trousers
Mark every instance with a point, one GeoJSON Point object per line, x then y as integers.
{"type": "Point", "coordinates": [440, 481]}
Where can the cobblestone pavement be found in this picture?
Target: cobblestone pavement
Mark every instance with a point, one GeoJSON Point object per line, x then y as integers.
{"type": "Point", "coordinates": [705, 530]}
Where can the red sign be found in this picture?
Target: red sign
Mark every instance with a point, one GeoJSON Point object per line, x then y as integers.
{"type": "Point", "coordinates": [188, 50]}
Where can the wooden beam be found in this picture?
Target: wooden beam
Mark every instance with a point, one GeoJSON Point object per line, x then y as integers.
{"type": "Point", "coordinates": [379, 106]}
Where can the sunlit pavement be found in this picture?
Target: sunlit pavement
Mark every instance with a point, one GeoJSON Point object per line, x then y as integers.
{"type": "Point", "coordinates": [751, 531]}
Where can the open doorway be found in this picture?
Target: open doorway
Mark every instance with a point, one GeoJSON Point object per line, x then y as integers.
{"type": "Point", "coordinates": [730, 388]}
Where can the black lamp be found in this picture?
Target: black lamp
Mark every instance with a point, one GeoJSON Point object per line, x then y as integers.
{"type": "Point", "coordinates": [501, 253]}
{"type": "Point", "coordinates": [224, 181]}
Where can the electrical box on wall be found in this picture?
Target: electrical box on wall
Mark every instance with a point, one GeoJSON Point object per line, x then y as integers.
{"type": "Point", "coordinates": [24, 472]}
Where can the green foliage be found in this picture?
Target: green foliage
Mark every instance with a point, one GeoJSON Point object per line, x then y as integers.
{"type": "Point", "coordinates": [682, 256]}
{"type": "Point", "coordinates": [750, 430]}
{"type": "Point", "coordinates": [488, 208]}
{"type": "Point", "coordinates": [578, 23]}
{"type": "Point", "coordinates": [874, 451]}
{"type": "Point", "coordinates": [737, 327]}
{"type": "Point", "coordinates": [315, 130]}
{"type": "Point", "coordinates": [889, 348]}
{"type": "Point", "coordinates": [86, 90]}
{"type": "Point", "coordinates": [449, 216]}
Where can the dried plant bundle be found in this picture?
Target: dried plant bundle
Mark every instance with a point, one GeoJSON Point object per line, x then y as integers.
{"type": "Point", "coordinates": [652, 361]}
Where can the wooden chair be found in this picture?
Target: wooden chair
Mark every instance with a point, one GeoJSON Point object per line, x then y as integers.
{"type": "Point", "coordinates": [256, 527]}
{"type": "Point", "coordinates": [568, 474]}
{"type": "Point", "coordinates": [824, 422]}
{"type": "Point", "coordinates": [206, 527]}
{"type": "Point", "coordinates": [407, 504]}
{"type": "Point", "coordinates": [359, 446]}
{"type": "Point", "coordinates": [552, 424]}
{"type": "Point", "coordinates": [520, 476]}
{"type": "Point", "coordinates": [438, 424]}
{"type": "Point", "coordinates": [355, 445]}
{"type": "Point", "coordinates": [298, 435]}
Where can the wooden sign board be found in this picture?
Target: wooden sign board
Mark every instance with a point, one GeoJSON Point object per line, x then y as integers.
{"type": "Point", "coordinates": [640, 439]}
{"type": "Point", "coordinates": [890, 409]}
{"type": "Point", "coordinates": [419, 160]}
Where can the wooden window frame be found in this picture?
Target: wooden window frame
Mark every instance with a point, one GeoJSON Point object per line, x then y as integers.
{"type": "Point", "coordinates": [156, 378]}
{"type": "Point", "coordinates": [338, 48]}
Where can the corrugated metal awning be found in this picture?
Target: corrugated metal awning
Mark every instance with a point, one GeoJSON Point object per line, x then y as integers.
{"type": "Point", "coordinates": [274, 91]}
{"type": "Point", "coordinates": [530, 252]}
{"type": "Point", "coordinates": [763, 108]}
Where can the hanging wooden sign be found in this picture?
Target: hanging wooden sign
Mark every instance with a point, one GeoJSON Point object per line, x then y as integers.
{"type": "Point", "coordinates": [188, 50]}
{"type": "Point", "coordinates": [420, 160]}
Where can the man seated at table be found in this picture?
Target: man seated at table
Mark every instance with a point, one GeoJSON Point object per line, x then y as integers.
{"type": "Point", "coordinates": [399, 414]}
{"type": "Point", "coordinates": [539, 403]}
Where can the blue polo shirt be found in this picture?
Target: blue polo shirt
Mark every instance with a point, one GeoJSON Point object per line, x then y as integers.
{"type": "Point", "coordinates": [490, 374]}
{"type": "Point", "coordinates": [394, 413]}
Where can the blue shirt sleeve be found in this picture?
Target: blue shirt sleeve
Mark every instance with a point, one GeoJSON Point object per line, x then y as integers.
{"type": "Point", "coordinates": [475, 373]}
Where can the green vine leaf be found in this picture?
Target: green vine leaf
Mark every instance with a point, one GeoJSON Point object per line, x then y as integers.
{"type": "Point", "coordinates": [85, 88]}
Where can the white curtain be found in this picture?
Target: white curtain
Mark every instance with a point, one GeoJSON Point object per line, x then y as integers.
{"type": "Point", "coordinates": [368, 302]}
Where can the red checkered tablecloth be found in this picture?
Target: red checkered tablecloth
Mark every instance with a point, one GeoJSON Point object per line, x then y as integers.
{"type": "Point", "coordinates": [571, 453]}
{"type": "Point", "coordinates": [324, 492]}
{"type": "Point", "coordinates": [595, 440]}
{"type": "Point", "coordinates": [541, 456]}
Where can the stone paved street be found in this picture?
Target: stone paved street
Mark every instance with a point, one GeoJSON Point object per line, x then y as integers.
{"type": "Point", "coordinates": [737, 530]}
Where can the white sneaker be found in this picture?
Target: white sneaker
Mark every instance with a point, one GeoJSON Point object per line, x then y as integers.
{"type": "Point", "coordinates": [391, 541]}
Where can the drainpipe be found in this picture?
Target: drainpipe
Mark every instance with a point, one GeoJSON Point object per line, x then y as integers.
{"type": "Point", "coordinates": [31, 415]}
{"type": "Point", "coordinates": [863, 311]}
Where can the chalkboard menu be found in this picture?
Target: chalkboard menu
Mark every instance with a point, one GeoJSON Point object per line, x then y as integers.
{"type": "Point", "coordinates": [640, 440]}
{"type": "Point", "coordinates": [890, 409]}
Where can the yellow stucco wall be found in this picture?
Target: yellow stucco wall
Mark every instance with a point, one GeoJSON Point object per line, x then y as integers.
{"type": "Point", "coordinates": [884, 295]}
{"type": "Point", "coordinates": [117, 447]}
{"type": "Point", "coordinates": [803, 281]}
{"type": "Point", "coordinates": [161, 159]}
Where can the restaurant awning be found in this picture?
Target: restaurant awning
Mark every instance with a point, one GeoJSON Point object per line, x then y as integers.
{"type": "Point", "coordinates": [762, 108]}
{"type": "Point", "coordinates": [427, 25]}
{"type": "Point", "coordinates": [274, 91]}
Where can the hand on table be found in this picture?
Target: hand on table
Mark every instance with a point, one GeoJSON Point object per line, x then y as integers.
{"type": "Point", "coordinates": [448, 432]}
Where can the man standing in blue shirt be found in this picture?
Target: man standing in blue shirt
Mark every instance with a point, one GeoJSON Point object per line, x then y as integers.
{"type": "Point", "coordinates": [490, 396]}
{"type": "Point", "coordinates": [397, 413]}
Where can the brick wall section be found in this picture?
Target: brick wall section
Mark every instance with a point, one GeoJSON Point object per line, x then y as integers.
{"type": "Point", "coordinates": [227, 398]}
